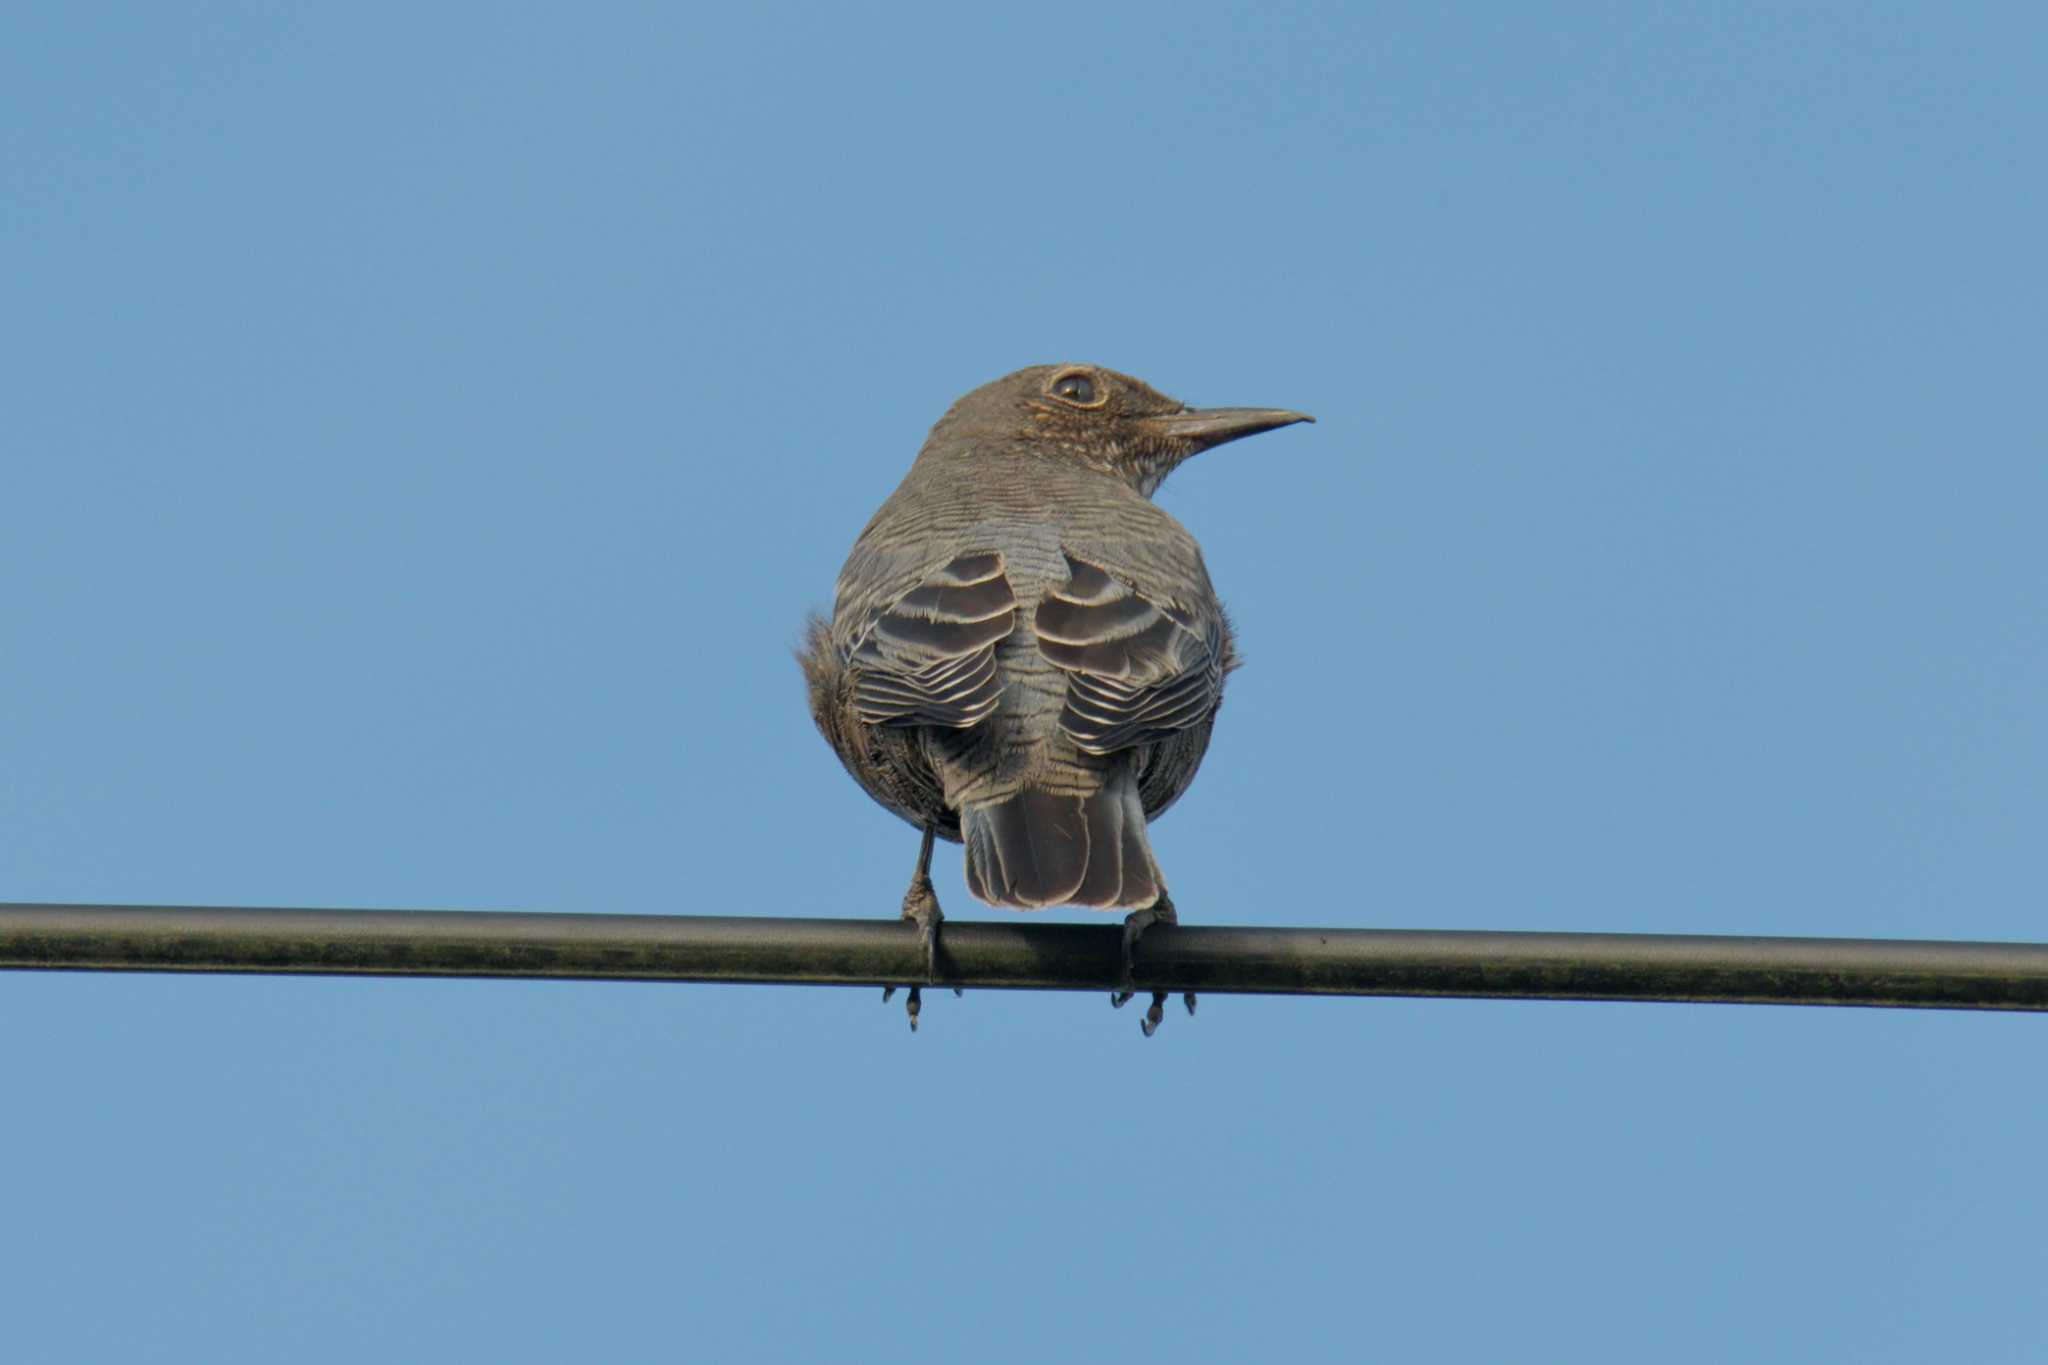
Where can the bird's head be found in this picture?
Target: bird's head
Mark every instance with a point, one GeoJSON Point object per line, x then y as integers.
{"type": "Point", "coordinates": [1108, 421]}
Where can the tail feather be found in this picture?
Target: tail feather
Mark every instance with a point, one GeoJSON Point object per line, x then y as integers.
{"type": "Point", "coordinates": [1103, 881]}
{"type": "Point", "coordinates": [1036, 848]}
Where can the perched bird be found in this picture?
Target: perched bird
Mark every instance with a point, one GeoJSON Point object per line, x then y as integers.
{"type": "Point", "coordinates": [1025, 654]}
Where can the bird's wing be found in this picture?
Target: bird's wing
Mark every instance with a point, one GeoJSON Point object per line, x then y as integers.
{"type": "Point", "coordinates": [928, 657]}
{"type": "Point", "coordinates": [1138, 669]}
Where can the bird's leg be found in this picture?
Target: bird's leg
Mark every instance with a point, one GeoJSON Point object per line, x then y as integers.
{"type": "Point", "coordinates": [921, 907]}
{"type": "Point", "coordinates": [1136, 923]}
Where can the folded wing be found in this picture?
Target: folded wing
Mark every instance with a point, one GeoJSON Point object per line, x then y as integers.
{"type": "Point", "coordinates": [929, 658]}
{"type": "Point", "coordinates": [1137, 670]}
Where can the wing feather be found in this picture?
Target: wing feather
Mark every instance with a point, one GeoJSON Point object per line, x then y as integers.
{"type": "Point", "coordinates": [929, 658]}
{"type": "Point", "coordinates": [1138, 670]}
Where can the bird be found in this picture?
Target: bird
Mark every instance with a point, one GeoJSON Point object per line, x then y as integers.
{"type": "Point", "coordinates": [1025, 653]}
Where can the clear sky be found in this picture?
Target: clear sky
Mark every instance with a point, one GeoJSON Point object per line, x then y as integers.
{"type": "Point", "coordinates": [423, 430]}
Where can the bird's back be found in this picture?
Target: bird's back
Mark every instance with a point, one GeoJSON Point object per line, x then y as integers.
{"type": "Point", "coordinates": [1048, 819]}
{"type": "Point", "coordinates": [1026, 653]}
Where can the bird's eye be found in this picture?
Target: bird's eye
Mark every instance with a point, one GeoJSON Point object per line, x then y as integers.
{"type": "Point", "coordinates": [1076, 388]}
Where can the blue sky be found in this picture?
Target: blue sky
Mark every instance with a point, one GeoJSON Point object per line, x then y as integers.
{"type": "Point", "coordinates": [425, 431]}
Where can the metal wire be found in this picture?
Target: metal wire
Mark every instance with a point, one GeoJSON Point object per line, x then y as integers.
{"type": "Point", "coordinates": [1029, 955]}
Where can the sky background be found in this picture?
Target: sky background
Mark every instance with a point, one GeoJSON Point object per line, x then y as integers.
{"type": "Point", "coordinates": [422, 432]}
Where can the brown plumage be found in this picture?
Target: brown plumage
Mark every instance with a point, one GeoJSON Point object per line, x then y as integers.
{"type": "Point", "coordinates": [1026, 654]}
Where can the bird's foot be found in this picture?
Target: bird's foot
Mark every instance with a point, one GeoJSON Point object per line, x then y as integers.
{"type": "Point", "coordinates": [1153, 1016]}
{"type": "Point", "coordinates": [1135, 924]}
{"type": "Point", "coordinates": [911, 1006]}
{"type": "Point", "coordinates": [921, 907]}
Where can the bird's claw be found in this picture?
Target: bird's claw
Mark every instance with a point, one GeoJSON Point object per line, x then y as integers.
{"type": "Point", "coordinates": [921, 907]}
{"type": "Point", "coordinates": [912, 1004]}
{"type": "Point", "coordinates": [1135, 924]}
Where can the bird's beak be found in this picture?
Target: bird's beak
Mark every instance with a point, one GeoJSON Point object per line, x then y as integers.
{"type": "Point", "coordinates": [1201, 428]}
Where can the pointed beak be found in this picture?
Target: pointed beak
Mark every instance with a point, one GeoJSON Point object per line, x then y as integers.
{"type": "Point", "coordinates": [1202, 428]}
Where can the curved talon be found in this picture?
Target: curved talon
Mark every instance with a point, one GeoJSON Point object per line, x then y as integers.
{"type": "Point", "coordinates": [1118, 999]}
{"type": "Point", "coordinates": [1136, 923]}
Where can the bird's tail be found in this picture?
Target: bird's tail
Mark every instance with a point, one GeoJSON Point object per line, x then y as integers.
{"type": "Point", "coordinates": [1036, 848]}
